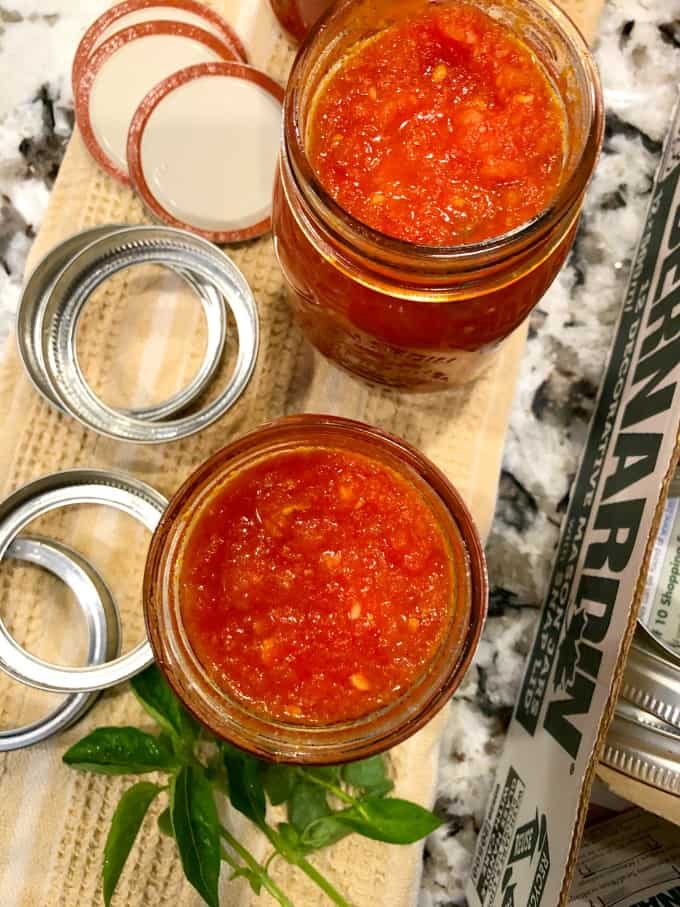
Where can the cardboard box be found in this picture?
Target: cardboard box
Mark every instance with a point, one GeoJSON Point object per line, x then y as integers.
{"type": "Point", "coordinates": [632, 860]}
{"type": "Point", "coordinates": [529, 841]}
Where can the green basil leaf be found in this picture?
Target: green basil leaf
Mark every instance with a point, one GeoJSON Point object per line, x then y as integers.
{"type": "Point", "coordinates": [165, 823]}
{"type": "Point", "coordinates": [380, 790]}
{"type": "Point", "coordinates": [196, 827]}
{"type": "Point", "coordinates": [216, 771]}
{"type": "Point", "coordinates": [125, 824]}
{"type": "Point", "coordinates": [120, 751]}
{"type": "Point", "coordinates": [288, 843]}
{"type": "Point", "coordinates": [330, 773]}
{"type": "Point", "coordinates": [290, 835]}
{"type": "Point", "coordinates": [389, 819]}
{"type": "Point", "coordinates": [306, 804]}
{"type": "Point", "coordinates": [279, 781]}
{"type": "Point", "coordinates": [368, 773]}
{"type": "Point", "coordinates": [323, 832]}
{"type": "Point", "coordinates": [160, 702]}
{"type": "Point", "coordinates": [253, 878]}
{"type": "Point", "coordinates": [245, 784]}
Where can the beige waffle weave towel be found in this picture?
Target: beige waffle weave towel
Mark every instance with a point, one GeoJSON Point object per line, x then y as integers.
{"type": "Point", "coordinates": [53, 821]}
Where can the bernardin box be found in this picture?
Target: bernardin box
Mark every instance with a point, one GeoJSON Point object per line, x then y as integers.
{"type": "Point", "coordinates": [632, 860]}
{"type": "Point", "coordinates": [529, 841]}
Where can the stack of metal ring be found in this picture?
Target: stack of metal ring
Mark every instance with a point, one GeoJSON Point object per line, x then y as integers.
{"type": "Point", "coordinates": [105, 666]}
{"type": "Point", "coordinates": [51, 305]}
{"type": "Point", "coordinates": [61, 285]}
{"type": "Point", "coordinates": [643, 740]}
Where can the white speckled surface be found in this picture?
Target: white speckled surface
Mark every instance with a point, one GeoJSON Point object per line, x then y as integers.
{"type": "Point", "coordinates": [638, 51]}
{"type": "Point", "coordinates": [639, 54]}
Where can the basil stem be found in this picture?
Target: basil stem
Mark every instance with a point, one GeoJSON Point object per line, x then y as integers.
{"type": "Point", "coordinates": [333, 788]}
{"type": "Point", "coordinates": [302, 863]}
{"type": "Point", "coordinates": [259, 871]}
{"type": "Point", "coordinates": [322, 882]}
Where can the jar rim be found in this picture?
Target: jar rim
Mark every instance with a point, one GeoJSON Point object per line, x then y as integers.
{"type": "Point", "coordinates": [461, 255]}
{"type": "Point", "coordinates": [256, 732]}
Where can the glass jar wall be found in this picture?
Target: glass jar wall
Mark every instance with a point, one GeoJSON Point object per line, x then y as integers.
{"type": "Point", "coordinates": [408, 315]}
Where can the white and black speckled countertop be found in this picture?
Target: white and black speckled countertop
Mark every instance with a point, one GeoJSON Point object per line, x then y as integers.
{"type": "Point", "coordinates": [638, 51]}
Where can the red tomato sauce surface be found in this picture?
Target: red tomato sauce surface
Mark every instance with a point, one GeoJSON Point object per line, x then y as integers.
{"type": "Point", "coordinates": [315, 585]}
{"type": "Point", "coordinates": [444, 129]}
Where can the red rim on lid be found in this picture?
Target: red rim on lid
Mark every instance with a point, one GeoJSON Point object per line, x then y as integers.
{"type": "Point", "coordinates": [132, 12]}
{"type": "Point", "coordinates": [121, 72]}
{"type": "Point", "coordinates": [215, 177]}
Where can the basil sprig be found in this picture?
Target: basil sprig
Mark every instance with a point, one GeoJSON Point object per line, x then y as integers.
{"type": "Point", "coordinates": [322, 805]}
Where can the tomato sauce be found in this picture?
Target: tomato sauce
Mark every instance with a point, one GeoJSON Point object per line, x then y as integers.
{"type": "Point", "coordinates": [443, 129]}
{"type": "Point", "coordinates": [315, 585]}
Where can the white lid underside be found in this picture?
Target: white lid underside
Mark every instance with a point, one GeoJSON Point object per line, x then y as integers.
{"type": "Point", "coordinates": [209, 152]}
{"type": "Point", "coordinates": [127, 76]}
{"type": "Point", "coordinates": [158, 13]}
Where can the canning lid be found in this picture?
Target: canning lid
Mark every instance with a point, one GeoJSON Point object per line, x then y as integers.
{"type": "Point", "coordinates": [122, 70]}
{"type": "Point", "coordinates": [101, 617]}
{"type": "Point", "coordinates": [132, 12]}
{"type": "Point", "coordinates": [216, 175]}
{"type": "Point", "coordinates": [36, 295]}
{"type": "Point", "coordinates": [643, 748]}
{"type": "Point", "coordinates": [74, 286]}
{"type": "Point", "coordinates": [651, 680]}
{"type": "Point", "coordinates": [660, 605]}
{"type": "Point", "coordinates": [74, 486]}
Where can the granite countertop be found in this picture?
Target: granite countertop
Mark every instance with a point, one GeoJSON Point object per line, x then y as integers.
{"type": "Point", "coordinates": [638, 51]}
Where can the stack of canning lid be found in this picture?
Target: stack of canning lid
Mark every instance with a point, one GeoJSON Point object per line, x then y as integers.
{"type": "Point", "coordinates": [64, 282]}
{"type": "Point", "coordinates": [105, 666]}
{"type": "Point", "coordinates": [51, 307]}
{"type": "Point", "coordinates": [167, 103]}
{"type": "Point", "coordinates": [644, 738]}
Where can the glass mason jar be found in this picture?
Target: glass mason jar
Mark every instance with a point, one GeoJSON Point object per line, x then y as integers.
{"type": "Point", "coordinates": [416, 316]}
{"type": "Point", "coordinates": [231, 719]}
{"type": "Point", "coordinates": [296, 17]}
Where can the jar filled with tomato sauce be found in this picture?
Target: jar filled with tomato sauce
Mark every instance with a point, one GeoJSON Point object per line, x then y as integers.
{"type": "Point", "coordinates": [296, 17]}
{"type": "Point", "coordinates": [433, 165]}
{"type": "Point", "coordinates": [315, 592]}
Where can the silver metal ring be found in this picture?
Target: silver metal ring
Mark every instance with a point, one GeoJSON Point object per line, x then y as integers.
{"type": "Point", "coordinates": [158, 245]}
{"type": "Point", "coordinates": [215, 313]}
{"type": "Point", "coordinates": [631, 712]}
{"type": "Point", "coordinates": [651, 680]}
{"type": "Point", "coordinates": [103, 630]}
{"type": "Point", "coordinates": [651, 643]}
{"type": "Point", "coordinates": [74, 486]}
{"type": "Point", "coordinates": [30, 316]}
{"type": "Point", "coordinates": [649, 754]}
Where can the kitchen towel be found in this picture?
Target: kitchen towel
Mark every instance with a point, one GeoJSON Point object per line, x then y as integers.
{"type": "Point", "coordinates": [140, 339]}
